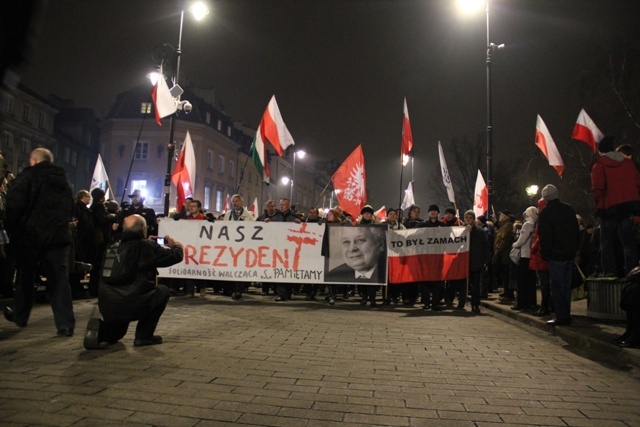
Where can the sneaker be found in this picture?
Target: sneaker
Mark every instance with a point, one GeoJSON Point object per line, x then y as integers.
{"type": "Point", "coordinates": [142, 342]}
{"type": "Point", "coordinates": [91, 341]}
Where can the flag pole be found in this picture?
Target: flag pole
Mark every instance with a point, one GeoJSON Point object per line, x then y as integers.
{"type": "Point", "coordinates": [321, 193]}
{"type": "Point", "coordinates": [133, 155]}
{"type": "Point", "coordinates": [401, 172]}
{"type": "Point", "coordinates": [242, 175]}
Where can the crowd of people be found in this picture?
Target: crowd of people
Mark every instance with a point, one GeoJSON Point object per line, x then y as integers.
{"type": "Point", "coordinates": [550, 247]}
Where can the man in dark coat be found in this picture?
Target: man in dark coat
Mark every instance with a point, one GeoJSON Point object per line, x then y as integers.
{"type": "Point", "coordinates": [138, 208]}
{"type": "Point", "coordinates": [132, 294]}
{"type": "Point", "coordinates": [39, 208]}
{"type": "Point", "coordinates": [479, 257]}
{"type": "Point", "coordinates": [559, 233]}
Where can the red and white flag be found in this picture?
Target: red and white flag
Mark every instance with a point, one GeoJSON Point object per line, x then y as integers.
{"type": "Point", "coordinates": [381, 213]}
{"type": "Point", "coordinates": [428, 254]}
{"type": "Point", "coordinates": [586, 131]}
{"type": "Point", "coordinates": [273, 128]}
{"type": "Point", "coordinates": [349, 183]}
{"type": "Point", "coordinates": [480, 196]}
{"type": "Point", "coordinates": [227, 203]}
{"type": "Point", "coordinates": [254, 208]}
{"type": "Point", "coordinates": [407, 139]}
{"type": "Point", "coordinates": [184, 174]}
{"type": "Point", "coordinates": [163, 103]}
{"type": "Point", "coordinates": [548, 147]}
{"type": "Point", "coordinates": [408, 198]}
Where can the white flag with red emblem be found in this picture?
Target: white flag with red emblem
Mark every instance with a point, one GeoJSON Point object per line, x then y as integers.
{"type": "Point", "coordinates": [586, 131]}
{"type": "Point", "coordinates": [381, 213]}
{"type": "Point", "coordinates": [480, 196]}
{"type": "Point", "coordinates": [548, 147]}
{"type": "Point", "coordinates": [446, 178]}
{"type": "Point", "coordinates": [407, 139]}
{"type": "Point", "coordinates": [349, 183]}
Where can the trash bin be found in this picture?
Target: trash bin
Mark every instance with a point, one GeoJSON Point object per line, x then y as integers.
{"type": "Point", "coordinates": [603, 299]}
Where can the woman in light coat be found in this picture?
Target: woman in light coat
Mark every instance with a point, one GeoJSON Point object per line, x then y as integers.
{"type": "Point", "coordinates": [526, 298]}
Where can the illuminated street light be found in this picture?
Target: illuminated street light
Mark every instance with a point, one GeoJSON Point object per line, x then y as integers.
{"type": "Point", "coordinates": [199, 11]}
{"type": "Point", "coordinates": [469, 6]}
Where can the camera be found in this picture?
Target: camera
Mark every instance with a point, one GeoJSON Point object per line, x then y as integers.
{"type": "Point", "coordinates": [160, 240]}
{"type": "Point", "coordinates": [185, 106]}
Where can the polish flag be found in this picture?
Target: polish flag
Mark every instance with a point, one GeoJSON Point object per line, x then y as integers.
{"type": "Point", "coordinates": [407, 139]}
{"type": "Point", "coordinates": [163, 102]}
{"type": "Point", "coordinates": [273, 128]}
{"type": "Point", "coordinates": [548, 147]}
{"type": "Point", "coordinates": [227, 203]}
{"type": "Point", "coordinates": [587, 131]}
{"type": "Point", "coordinates": [428, 254]}
{"type": "Point", "coordinates": [480, 196]}
{"type": "Point", "coordinates": [184, 174]}
{"type": "Point", "coordinates": [349, 183]}
{"type": "Point", "coordinates": [381, 213]}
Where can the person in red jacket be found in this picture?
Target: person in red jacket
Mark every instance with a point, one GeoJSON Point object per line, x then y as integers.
{"type": "Point", "coordinates": [616, 188]}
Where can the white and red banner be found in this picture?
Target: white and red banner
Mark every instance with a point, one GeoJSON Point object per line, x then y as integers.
{"type": "Point", "coordinates": [428, 254]}
{"type": "Point", "coordinates": [248, 251]}
{"type": "Point", "coordinates": [586, 131]}
{"type": "Point", "coordinates": [406, 149]}
{"type": "Point", "coordinates": [480, 196]}
{"type": "Point", "coordinates": [545, 143]}
{"type": "Point", "coordinates": [252, 251]}
{"type": "Point", "coordinates": [350, 183]}
{"type": "Point", "coordinates": [163, 101]}
{"type": "Point", "coordinates": [184, 173]}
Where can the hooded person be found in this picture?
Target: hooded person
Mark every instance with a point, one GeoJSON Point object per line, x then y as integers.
{"type": "Point", "coordinates": [526, 278]}
{"type": "Point", "coordinates": [615, 182]}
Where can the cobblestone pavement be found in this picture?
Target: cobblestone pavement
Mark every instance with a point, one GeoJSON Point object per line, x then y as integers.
{"type": "Point", "coordinates": [258, 362]}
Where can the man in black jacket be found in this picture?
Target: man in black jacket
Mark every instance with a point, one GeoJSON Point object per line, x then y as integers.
{"type": "Point", "coordinates": [39, 207]}
{"type": "Point", "coordinates": [559, 233]}
{"type": "Point", "coordinates": [127, 287]}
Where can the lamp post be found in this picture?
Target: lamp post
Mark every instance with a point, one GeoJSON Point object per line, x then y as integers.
{"type": "Point", "coordinates": [300, 154]}
{"type": "Point", "coordinates": [285, 180]}
{"type": "Point", "coordinates": [468, 6]}
{"type": "Point", "coordinates": [199, 11]}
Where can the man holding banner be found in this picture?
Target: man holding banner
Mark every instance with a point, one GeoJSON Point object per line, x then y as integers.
{"type": "Point", "coordinates": [238, 213]}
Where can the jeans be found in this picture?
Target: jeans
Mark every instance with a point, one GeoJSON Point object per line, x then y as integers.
{"type": "Point", "coordinates": [560, 277]}
{"type": "Point", "coordinates": [610, 231]}
{"type": "Point", "coordinates": [54, 266]}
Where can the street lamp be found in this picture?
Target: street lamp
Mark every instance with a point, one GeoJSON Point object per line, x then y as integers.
{"type": "Point", "coordinates": [468, 6]}
{"type": "Point", "coordinates": [300, 154]}
{"type": "Point", "coordinates": [165, 52]}
{"type": "Point", "coordinates": [532, 190]}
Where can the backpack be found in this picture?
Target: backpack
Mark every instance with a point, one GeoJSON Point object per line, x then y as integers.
{"type": "Point", "coordinates": [121, 263]}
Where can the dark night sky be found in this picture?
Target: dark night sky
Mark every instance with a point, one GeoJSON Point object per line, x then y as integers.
{"type": "Point", "coordinates": [340, 68]}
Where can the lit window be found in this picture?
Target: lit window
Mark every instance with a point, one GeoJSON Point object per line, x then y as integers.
{"type": "Point", "coordinates": [221, 162]}
{"type": "Point", "coordinates": [219, 125]}
{"type": "Point", "coordinates": [207, 197]}
{"type": "Point", "coordinates": [145, 108]}
{"type": "Point", "coordinates": [142, 151]}
{"type": "Point", "coordinates": [219, 200]}
{"type": "Point", "coordinates": [232, 169]}
{"type": "Point", "coordinates": [139, 184]}
{"type": "Point", "coordinates": [229, 131]}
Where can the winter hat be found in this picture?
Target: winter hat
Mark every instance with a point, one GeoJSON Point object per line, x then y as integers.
{"type": "Point", "coordinates": [473, 214]}
{"type": "Point", "coordinates": [550, 192]}
{"type": "Point", "coordinates": [482, 219]}
{"type": "Point", "coordinates": [532, 213]}
{"type": "Point", "coordinates": [434, 208]}
{"type": "Point", "coordinates": [365, 209]}
{"type": "Point", "coordinates": [450, 211]}
{"type": "Point", "coordinates": [606, 144]}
